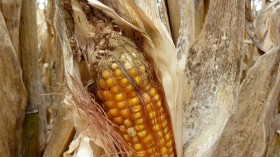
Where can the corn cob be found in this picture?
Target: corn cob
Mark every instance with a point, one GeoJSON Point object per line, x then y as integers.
{"type": "Point", "coordinates": [135, 105]}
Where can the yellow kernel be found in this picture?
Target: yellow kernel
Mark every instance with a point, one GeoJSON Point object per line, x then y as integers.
{"type": "Point", "coordinates": [125, 113]}
{"type": "Point", "coordinates": [106, 74]}
{"type": "Point", "coordinates": [137, 147]}
{"type": "Point", "coordinates": [120, 97]}
{"type": "Point", "coordinates": [149, 108]}
{"type": "Point", "coordinates": [153, 92]}
{"type": "Point", "coordinates": [113, 113]}
{"type": "Point", "coordinates": [114, 66]}
{"type": "Point", "coordinates": [166, 130]}
{"type": "Point", "coordinates": [136, 108]}
{"type": "Point", "coordinates": [160, 134]}
{"type": "Point", "coordinates": [151, 150]}
{"type": "Point", "coordinates": [133, 72]}
{"type": "Point", "coordinates": [167, 137]}
{"type": "Point", "coordinates": [111, 82]}
{"type": "Point", "coordinates": [131, 94]}
{"type": "Point", "coordinates": [156, 97]}
{"type": "Point", "coordinates": [141, 154]}
{"type": "Point", "coordinates": [107, 95]}
{"type": "Point", "coordinates": [142, 134]}
{"type": "Point", "coordinates": [159, 103]}
{"type": "Point", "coordinates": [148, 139]}
{"type": "Point", "coordinates": [118, 73]}
{"type": "Point", "coordinates": [102, 84]}
{"type": "Point", "coordinates": [142, 68]}
{"type": "Point", "coordinates": [135, 139]}
{"type": "Point", "coordinates": [138, 79]}
{"type": "Point", "coordinates": [164, 124]}
{"type": "Point", "coordinates": [163, 150]}
{"type": "Point", "coordinates": [128, 89]}
{"type": "Point", "coordinates": [122, 105]}
{"type": "Point", "coordinates": [124, 82]}
{"type": "Point", "coordinates": [139, 127]}
{"type": "Point", "coordinates": [153, 115]}
{"type": "Point", "coordinates": [136, 115]}
{"type": "Point", "coordinates": [118, 120]}
{"type": "Point", "coordinates": [116, 90]}
{"type": "Point", "coordinates": [122, 129]}
{"type": "Point", "coordinates": [99, 94]}
{"type": "Point", "coordinates": [109, 104]}
{"type": "Point", "coordinates": [134, 101]}
{"type": "Point", "coordinates": [169, 143]}
{"type": "Point", "coordinates": [156, 128]}
{"type": "Point", "coordinates": [170, 150]}
{"type": "Point", "coordinates": [161, 142]}
{"type": "Point", "coordinates": [127, 137]}
{"type": "Point", "coordinates": [139, 121]}
{"type": "Point", "coordinates": [128, 123]}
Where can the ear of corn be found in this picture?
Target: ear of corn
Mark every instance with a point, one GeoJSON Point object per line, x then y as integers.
{"type": "Point", "coordinates": [134, 104]}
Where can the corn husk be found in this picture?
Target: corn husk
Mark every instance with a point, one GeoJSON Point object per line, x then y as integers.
{"type": "Point", "coordinates": [157, 45]}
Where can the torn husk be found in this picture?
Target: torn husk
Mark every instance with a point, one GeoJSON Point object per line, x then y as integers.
{"type": "Point", "coordinates": [157, 47]}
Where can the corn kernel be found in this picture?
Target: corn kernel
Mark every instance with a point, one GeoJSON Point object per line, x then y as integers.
{"type": "Point", "coordinates": [151, 150]}
{"type": "Point", "coordinates": [118, 120]}
{"type": "Point", "coordinates": [139, 121]}
{"type": "Point", "coordinates": [160, 134]}
{"type": "Point", "coordinates": [127, 137]}
{"type": "Point", "coordinates": [102, 84]}
{"type": "Point", "coordinates": [131, 132]}
{"type": "Point", "coordinates": [136, 108]}
{"type": "Point", "coordinates": [152, 114]}
{"type": "Point", "coordinates": [133, 72]}
{"type": "Point", "coordinates": [131, 94]}
{"type": "Point", "coordinates": [122, 105]}
{"type": "Point", "coordinates": [123, 129]}
{"type": "Point", "coordinates": [128, 123]}
{"type": "Point", "coordinates": [166, 130]}
{"type": "Point", "coordinates": [118, 73]}
{"type": "Point", "coordinates": [120, 97]}
{"type": "Point", "coordinates": [149, 138]}
{"type": "Point", "coordinates": [125, 113]}
{"type": "Point", "coordinates": [116, 90]}
{"type": "Point", "coordinates": [109, 104]}
{"type": "Point", "coordinates": [111, 82]}
{"type": "Point", "coordinates": [127, 65]}
{"type": "Point", "coordinates": [106, 74]}
{"type": "Point", "coordinates": [163, 150]}
{"type": "Point", "coordinates": [124, 82]}
{"type": "Point", "coordinates": [99, 94]}
{"type": "Point", "coordinates": [167, 137]}
{"type": "Point", "coordinates": [107, 95]}
{"type": "Point", "coordinates": [134, 101]}
{"type": "Point", "coordinates": [136, 115]}
{"type": "Point", "coordinates": [169, 143]}
{"type": "Point", "coordinates": [141, 154]}
{"type": "Point", "coordinates": [153, 92]}
{"type": "Point", "coordinates": [113, 112]}
{"type": "Point", "coordinates": [139, 127]}
{"type": "Point", "coordinates": [137, 147]}
{"type": "Point", "coordinates": [114, 66]}
{"type": "Point", "coordinates": [128, 89]}
{"type": "Point", "coordinates": [142, 134]}
{"type": "Point", "coordinates": [142, 68]}
{"type": "Point", "coordinates": [170, 150]}
{"type": "Point", "coordinates": [138, 79]}
{"type": "Point", "coordinates": [156, 128]}
{"type": "Point", "coordinates": [135, 139]}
